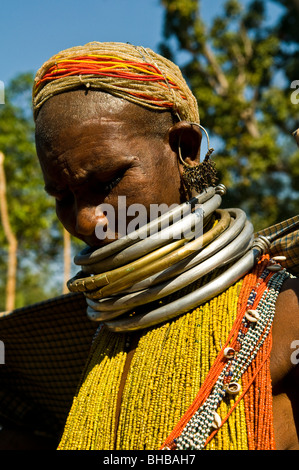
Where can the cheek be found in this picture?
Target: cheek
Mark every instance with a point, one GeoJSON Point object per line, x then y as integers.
{"type": "Point", "coordinates": [139, 188]}
{"type": "Point", "coordinates": [161, 184]}
{"type": "Point", "coordinates": [66, 217]}
{"type": "Point", "coordinates": [152, 191]}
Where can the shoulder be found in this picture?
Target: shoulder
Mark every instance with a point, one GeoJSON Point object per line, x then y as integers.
{"type": "Point", "coordinates": [287, 305]}
{"type": "Point", "coordinates": [285, 330]}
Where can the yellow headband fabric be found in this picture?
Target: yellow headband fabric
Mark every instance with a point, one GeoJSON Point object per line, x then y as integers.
{"type": "Point", "coordinates": [133, 73]}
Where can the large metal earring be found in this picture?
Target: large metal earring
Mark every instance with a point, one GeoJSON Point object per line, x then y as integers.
{"type": "Point", "coordinates": [203, 175]}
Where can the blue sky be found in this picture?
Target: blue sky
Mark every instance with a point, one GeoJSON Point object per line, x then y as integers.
{"type": "Point", "coordinates": [33, 30]}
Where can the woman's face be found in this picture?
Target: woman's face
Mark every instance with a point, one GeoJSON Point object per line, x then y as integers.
{"type": "Point", "coordinates": [92, 150]}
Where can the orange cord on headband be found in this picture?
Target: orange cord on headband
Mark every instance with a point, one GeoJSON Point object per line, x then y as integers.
{"type": "Point", "coordinates": [107, 67]}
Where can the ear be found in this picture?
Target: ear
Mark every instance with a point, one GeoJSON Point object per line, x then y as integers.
{"type": "Point", "coordinates": [187, 137]}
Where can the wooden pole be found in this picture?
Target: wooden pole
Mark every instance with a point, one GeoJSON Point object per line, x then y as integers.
{"type": "Point", "coordinates": [66, 259]}
{"type": "Point", "coordinates": [12, 242]}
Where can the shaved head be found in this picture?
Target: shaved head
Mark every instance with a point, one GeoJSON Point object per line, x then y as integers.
{"type": "Point", "coordinates": [82, 106]}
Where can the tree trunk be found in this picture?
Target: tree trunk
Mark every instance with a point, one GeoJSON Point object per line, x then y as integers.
{"type": "Point", "coordinates": [12, 242]}
{"type": "Point", "coordinates": [66, 259]}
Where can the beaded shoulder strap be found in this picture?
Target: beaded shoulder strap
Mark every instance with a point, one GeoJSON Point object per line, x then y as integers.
{"type": "Point", "coordinates": [250, 330]}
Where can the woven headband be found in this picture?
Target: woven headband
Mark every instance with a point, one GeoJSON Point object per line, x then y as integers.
{"type": "Point", "coordinates": [136, 74]}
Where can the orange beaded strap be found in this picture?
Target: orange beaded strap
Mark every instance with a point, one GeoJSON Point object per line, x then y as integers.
{"type": "Point", "coordinates": [245, 357]}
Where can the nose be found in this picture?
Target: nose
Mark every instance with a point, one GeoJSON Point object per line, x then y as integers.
{"type": "Point", "coordinates": [85, 221]}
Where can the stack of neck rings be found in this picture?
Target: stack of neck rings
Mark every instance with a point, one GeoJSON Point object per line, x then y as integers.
{"type": "Point", "coordinates": [198, 324]}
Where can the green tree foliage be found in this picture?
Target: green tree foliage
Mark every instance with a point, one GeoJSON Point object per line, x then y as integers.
{"type": "Point", "coordinates": [288, 33]}
{"type": "Point", "coordinates": [288, 59]}
{"type": "Point", "coordinates": [31, 211]}
{"type": "Point", "coordinates": [233, 66]}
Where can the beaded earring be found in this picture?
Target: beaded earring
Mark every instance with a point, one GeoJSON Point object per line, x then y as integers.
{"type": "Point", "coordinates": [203, 175]}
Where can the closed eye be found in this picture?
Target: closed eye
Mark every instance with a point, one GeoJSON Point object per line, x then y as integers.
{"type": "Point", "coordinates": [66, 196]}
{"type": "Point", "coordinates": [106, 187]}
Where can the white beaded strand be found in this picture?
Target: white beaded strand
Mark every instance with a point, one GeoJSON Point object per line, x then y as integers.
{"type": "Point", "coordinates": [199, 427]}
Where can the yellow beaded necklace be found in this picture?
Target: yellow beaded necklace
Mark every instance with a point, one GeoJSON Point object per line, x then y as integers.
{"type": "Point", "coordinates": [168, 367]}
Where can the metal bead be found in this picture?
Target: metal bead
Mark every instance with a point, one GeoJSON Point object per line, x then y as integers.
{"type": "Point", "coordinates": [252, 315]}
{"type": "Point", "coordinates": [229, 353]}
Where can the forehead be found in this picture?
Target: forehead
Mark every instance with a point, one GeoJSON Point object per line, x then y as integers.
{"type": "Point", "coordinates": [90, 125]}
{"type": "Point", "coordinates": [76, 108]}
{"type": "Point", "coordinates": [76, 131]}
